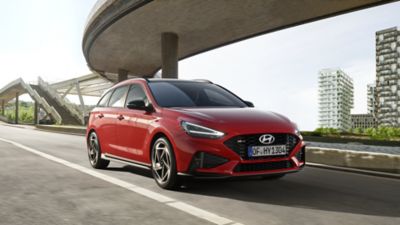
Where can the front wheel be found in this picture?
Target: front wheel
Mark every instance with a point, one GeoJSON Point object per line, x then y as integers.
{"type": "Point", "coordinates": [94, 152]}
{"type": "Point", "coordinates": [163, 164]}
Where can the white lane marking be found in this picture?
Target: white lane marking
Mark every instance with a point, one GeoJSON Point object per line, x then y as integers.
{"type": "Point", "coordinates": [200, 213]}
{"type": "Point", "coordinates": [192, 210]}
{"type": "Point", "coordinates": [151, 194]}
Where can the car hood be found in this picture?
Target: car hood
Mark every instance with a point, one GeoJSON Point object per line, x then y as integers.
{"type": "Point", "coordinates": [248, 120]}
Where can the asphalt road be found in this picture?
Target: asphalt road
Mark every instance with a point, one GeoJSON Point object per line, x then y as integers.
{"type": "Point", "coordinates": [36, 190]}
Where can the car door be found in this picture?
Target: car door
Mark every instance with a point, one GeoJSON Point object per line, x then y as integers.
{"type": "Point", "coordinates": [133, 129]}
{"type": "Point", "coordinates": [102, 121]}
{"type": "Point", "coordinates": [114, 107]}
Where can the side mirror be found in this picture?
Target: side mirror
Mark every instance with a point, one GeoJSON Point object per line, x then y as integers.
{"type": "Point", "coordinates": [140, 105]}
{"type": "Point", "coordinates": [249, 104]}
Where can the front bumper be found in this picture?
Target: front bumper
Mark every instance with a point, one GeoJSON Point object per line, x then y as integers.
{"type": "Point", "coordinates": [224, 162]}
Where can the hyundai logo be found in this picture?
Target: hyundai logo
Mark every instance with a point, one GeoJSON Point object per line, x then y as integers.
{"type": "Point", "coordinates": [267, 139]}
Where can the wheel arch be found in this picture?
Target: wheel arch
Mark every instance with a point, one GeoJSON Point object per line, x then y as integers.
{"type": "Point", "coordinates": [161, 133]}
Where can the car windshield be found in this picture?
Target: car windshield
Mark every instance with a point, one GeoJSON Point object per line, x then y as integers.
{"type": "Point", "coordinates": [193, 94]}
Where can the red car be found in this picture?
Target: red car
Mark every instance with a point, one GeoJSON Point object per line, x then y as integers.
{"type": "Point", "coordinates": [190, 128]}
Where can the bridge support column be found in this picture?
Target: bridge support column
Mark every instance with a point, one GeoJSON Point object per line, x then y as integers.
{"type": "Point", "coordinates": [3, 108]}
{"type": "Point", "coordinates": [122, 75]}
{"type": "Point", "coordinates": [78, 89]}
{"type": "Point", "coordinates": [36, 113]}
{"type": "Point", "coordinates": [16, 107]}
{"type": "Point", "coordinates": [169, 55]}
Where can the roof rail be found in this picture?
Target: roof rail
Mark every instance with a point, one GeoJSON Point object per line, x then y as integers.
{"type": "Point", "coordinates": [203, 80]}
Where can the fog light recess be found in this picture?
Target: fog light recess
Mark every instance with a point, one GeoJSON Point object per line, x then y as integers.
{"type": "Point", "coordinates": [203, 160]}
{"type": "Point", "coordinates": [301, 155]}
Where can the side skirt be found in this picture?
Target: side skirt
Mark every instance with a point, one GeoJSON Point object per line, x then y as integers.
{"type": "Point", "coordinates": [125, 161]}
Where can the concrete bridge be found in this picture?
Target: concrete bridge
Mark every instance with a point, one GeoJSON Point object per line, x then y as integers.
{"type": "Point", "coordinates": [126, 38]}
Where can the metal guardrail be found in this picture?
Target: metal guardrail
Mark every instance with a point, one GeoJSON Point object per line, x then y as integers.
{"type": "Point", "coordinates": [62, 101]}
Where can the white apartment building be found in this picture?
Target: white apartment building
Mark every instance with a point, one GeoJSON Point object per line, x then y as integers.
{"type": "Point", "coordinates": [388, 77]}
{"type": "Point", "coordinates": [335, 99]}
{"type": "Point", "coordinates": [371, 99]}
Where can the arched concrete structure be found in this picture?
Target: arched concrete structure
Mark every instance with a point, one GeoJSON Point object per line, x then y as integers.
{"type": "Point", "coordinates": [52, 97]}
{"type": "Point", "coordinates": [127, 35]}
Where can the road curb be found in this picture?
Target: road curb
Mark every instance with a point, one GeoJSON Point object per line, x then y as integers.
{"type": "Point", "coordinates": [353, 170]}
{"type": "Point", "coordinates": [81, 131]}
{"type": "Point", "coordinates": [387, 163]}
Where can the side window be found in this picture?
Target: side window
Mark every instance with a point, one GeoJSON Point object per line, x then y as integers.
{"type": "Point", "coordinates": [103, 101]}
{"type": "Point", "coordinates": [136, 92]}
{"type": "Point", "coordinates": [118, 97]}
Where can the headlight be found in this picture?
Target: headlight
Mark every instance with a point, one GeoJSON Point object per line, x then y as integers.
{"type": "Point", "coordinates": [200, 131]}
{"type": "Point", "coordinates": [297, 132]}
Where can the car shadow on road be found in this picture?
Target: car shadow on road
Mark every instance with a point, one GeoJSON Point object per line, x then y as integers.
{"type": "Point", "coordinates": [132, 169]}
{"type": "Point", "coordinates": [296, 190]}
{"type": "Point", "coordinates": [317, 189]}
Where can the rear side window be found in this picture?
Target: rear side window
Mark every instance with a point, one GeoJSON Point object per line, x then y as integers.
{"type": "Point", "coordinates": [136, 92]}
{"type": "Point", "coordinates": [118, 97]}
{"type": "Point", "coordinates": [103, 101]}
{"type": "Point", "coordinates": [169, 95]}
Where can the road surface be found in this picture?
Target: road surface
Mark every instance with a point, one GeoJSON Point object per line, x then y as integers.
{"type": "Point", "coordinates": [46, 179]}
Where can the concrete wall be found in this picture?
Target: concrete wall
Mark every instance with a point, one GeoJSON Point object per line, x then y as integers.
{"type": "Point", "coordinates": [354, 159]}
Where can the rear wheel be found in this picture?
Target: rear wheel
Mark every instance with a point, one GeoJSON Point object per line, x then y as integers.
{"type": "Point", "coordinates": [163, 164]}
{"type": "Point", "coordinates": [94, 152]}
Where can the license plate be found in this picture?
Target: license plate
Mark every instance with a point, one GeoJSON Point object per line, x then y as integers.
{"type": "Point", "coordinates": [256, 151]}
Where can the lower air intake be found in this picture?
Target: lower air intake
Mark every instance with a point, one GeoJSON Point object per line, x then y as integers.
{"type": "Point", "coordinates": [251, 167]}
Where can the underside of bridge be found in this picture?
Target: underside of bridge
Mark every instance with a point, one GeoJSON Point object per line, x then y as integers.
{"type": "Point", "coordinates": [125, 38]}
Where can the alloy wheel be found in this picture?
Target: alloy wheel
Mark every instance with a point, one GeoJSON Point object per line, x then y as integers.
{"type": "Point", "coordinates": [161, 162]}
{"type": "Point", "coordinates": [93, 148]}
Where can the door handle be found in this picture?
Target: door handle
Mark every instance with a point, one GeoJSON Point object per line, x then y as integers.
{"type": "Point", "coordinates": [100, 116]}
{"type": "Point", "coordinates": [120, 117]}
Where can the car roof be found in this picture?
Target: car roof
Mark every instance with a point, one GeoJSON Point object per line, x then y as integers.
{"type": "Point", "coordinates": [176, 80]}
{"type": "Point", "coordinates": [156, 80]}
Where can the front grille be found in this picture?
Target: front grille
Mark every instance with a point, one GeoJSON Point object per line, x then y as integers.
{"type": "Point", "coordinates": [240, 144]}
{"type": "Point", "coordinates": [250, 167]}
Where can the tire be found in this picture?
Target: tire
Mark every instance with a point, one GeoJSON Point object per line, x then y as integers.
{"type": "Point", "coordinates": [273, 176]}
{"type": "Point", "coordinates": [94, 152]}
{"type": "Point", "coordinates": [163, 164]}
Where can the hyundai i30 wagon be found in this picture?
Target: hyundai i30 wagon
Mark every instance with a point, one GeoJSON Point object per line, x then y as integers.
{"type": "Point", "coordinates": [190, 128]}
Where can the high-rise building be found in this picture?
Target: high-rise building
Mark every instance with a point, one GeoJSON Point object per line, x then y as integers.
{"type": "Point", "coordinates": [388, 77]}
{"type": "Point", "coordinates": [335, 99]}
{"type": "Point", "coordinates": [371, 99]}
{"type": "Point", "coordinates": [362, 121]}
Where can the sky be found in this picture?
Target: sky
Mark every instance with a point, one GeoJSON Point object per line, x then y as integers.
{"type": "Point", "coordinates": [277, 71]}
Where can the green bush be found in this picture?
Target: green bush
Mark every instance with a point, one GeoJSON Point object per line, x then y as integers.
{"type": "Point", "coordinates": [383, 133]}
{"type": "Point", "coordinates": [25, 114]}
{"type": "Point", "coordinates": [10, 116]}
{"type": "Point", "coordinates": [357, 130]}
{"type": "Point", "coordinates": [380, 133]}
{"type": "Point", "coordinates": [326, 131]}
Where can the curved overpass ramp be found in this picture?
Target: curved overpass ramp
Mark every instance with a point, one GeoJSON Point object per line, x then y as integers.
{"type": "Point", "coordinates": [138, 37]}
